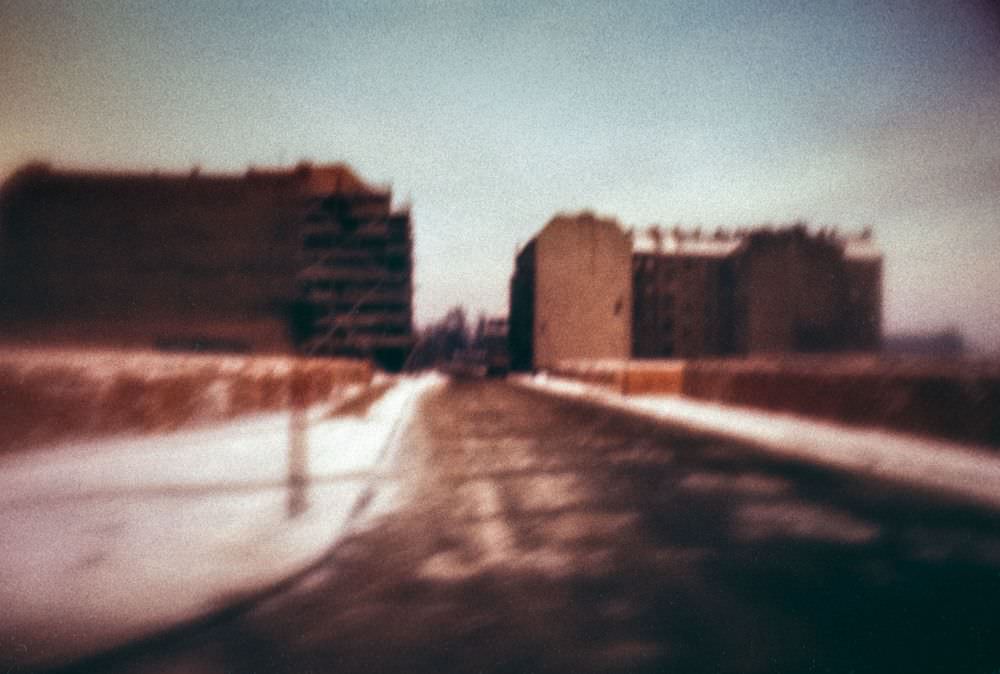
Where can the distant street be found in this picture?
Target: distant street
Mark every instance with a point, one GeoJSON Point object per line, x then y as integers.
{"type": "Point", "coordinates": [541, 535]}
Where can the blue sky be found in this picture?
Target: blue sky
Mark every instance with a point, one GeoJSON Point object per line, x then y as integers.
{"type": "Point", "coordinates": [491, 117]}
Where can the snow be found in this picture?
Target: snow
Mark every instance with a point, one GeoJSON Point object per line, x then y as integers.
{"type": "Point", "coordinates": [670, 243]}
{"type": "Point", "coordinates": [107, 541]}
{"type": "Point", "coordinates": [968, 472]}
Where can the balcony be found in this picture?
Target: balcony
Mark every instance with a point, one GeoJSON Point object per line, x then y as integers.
{"type": "Point", "coordinates": [352, 296]}
{"type": "Point", "coordinates": [371, 275]}
{"type": "Point", "coordinates": [341, 233]}
{"type": "Point", "coordinates": [355, 257]}
{"type": "Point", "coordinates": [351, 321]}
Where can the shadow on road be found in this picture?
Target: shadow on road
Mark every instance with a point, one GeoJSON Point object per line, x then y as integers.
{"type": "Point", "coordinates": [544, 535]}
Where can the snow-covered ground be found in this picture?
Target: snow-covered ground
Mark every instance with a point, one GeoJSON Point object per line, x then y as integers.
{"type": "Point", "coordinates": [106, 541]}
{"type": "Point", "coordinates": [967, 472]}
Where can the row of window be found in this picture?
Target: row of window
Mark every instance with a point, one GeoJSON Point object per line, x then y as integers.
{"type": "Point", "coordinates": [340, 286]}
{"type": "Point", "coordinates": [395, 263]}
{"type": "Point", "coordinates": [650, 263]}
{"type": "Point", "coordinates": [376, 241]}
{"type": "Point", "coordinates": [365, 308]}
{"type": "Point", "coordinates": [372, 330]}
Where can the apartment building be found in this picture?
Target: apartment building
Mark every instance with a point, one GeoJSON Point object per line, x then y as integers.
{"type": "Point", "coordinates": [585, 288]}
{"type": "Point", "coordinates": [308, 258]}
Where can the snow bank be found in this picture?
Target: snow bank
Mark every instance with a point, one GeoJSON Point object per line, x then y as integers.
{"type": "Point", "coordinates": [105, 542]}
{"type": "Point", "coordinates": [966, 471]}
{"type": "Point", "coordinates": [953, 399]}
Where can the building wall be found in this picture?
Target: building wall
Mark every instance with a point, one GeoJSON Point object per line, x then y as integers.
{"type": "Point", "coordinates": [583, 291]}
{"type": "Point", "coordinates": [682, 306]}
{"type": "Point", "coordinates": [356, 281]}
{"type": "Point", "coordinates": [654, 306]}
{"type": "Point", "coordinates": [522, 310]}
{"type": "Point", "coordinates": [126, 258]}
{"type": "Point", "coordinates": [767, 311]}
{"type": "Point", "coordinates": [181, 260]}
{"type": "Point", "coordinates": [794, 295]}
{"type": "Point", "coordinates": [689, 295]}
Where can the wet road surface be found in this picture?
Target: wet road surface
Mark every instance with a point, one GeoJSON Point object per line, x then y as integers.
{"type": "Point", "coordinates": [543, 535]}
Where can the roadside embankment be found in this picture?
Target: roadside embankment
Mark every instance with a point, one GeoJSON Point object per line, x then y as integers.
{"type": "Point", "coordinates": [48, 395]}
{"type": "Point", "coordinates": [955, 400]}
{"type": "Point", "coordinates": [117, 542]}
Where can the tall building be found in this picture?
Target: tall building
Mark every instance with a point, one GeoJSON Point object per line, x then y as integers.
{"type": "Point", "coordinates": [802, 292]}
{"type": "Point", "coordinates": [683, 290]}
{"type": "Point", "coordinates": [571, 294]}
{"type": "Point", "coordinates": [355, 280]}
{"type": "Point", "coordinates": [584, 288]}
{"type": "Point", "coordinates": [309, 258]}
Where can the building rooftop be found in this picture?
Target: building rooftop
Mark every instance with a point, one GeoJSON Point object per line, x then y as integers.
{"type": "Point", "coordinates": [337, 178]}
{"type": "Point", "coordinates": [861, 248]}
{"type": "Point", "coordinates": [677, 241]}
{"type": "Point", "coordinates": [658, 241]}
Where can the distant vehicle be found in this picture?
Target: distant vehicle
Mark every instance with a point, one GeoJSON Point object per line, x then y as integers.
{"type": "Point", "coordinates": [487, 357]}
{"type": "Point", "coordinates": [494, 345]}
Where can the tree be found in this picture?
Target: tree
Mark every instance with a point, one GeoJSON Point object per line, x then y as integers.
{"type": "Point", "coordinates": [438, 343]}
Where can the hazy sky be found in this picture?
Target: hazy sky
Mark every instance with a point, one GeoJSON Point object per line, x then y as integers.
{"type": "Point", "coordinates": [491, 117]}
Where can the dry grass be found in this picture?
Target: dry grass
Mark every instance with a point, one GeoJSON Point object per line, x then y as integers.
{"type": "Point", "coordinates": [52, 394]}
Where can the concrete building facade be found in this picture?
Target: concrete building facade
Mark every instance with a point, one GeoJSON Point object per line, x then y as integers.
{"type": "Point", "coordinates": [683, 293]}
{"type": "Point", "coordinates": [806, 293]}
{"type": "Point", "coordinates": [582, 290]}
{"type": "Point", "coordinates": [573, 294]}
{"type": "Point", "coordinates": [585, 289]}
{"type": "Point", "coordinates": [307, 258]}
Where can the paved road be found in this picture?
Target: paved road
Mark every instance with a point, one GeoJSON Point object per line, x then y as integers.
{"type": "Point", "coordinates": [541, 535]}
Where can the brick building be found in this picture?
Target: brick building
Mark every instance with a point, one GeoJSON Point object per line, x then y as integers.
{"type": "Point", "coordinates": [583, 288]}
{"type": "Point", "coordinates": [308, 258]}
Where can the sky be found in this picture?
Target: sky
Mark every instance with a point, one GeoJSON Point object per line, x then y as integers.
{"type": "Point", "coordinates": [489, 118]}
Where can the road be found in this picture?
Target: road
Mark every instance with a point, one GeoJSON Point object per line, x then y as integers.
{"type": "Point", "coordinates": [543, 535]}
